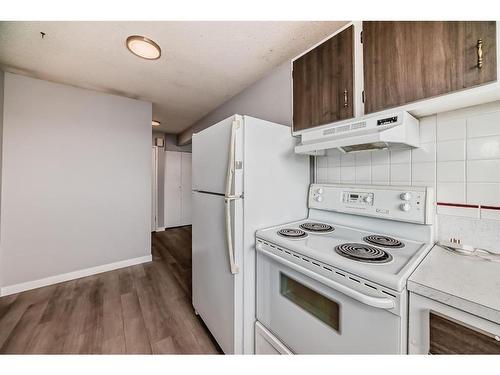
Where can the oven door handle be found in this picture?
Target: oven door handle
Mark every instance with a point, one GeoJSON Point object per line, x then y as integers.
{"type": "Point", "coordinates": [378, 302]}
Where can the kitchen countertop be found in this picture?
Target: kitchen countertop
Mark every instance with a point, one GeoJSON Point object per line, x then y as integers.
{"type": "Point", "coordinates": [467, 283]}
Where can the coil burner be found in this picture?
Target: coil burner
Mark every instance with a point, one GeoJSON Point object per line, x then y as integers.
{"type": "Point", "coordinates": [384, 241]}
{"type": "Point", "coordinates": [292, 233]}
{"type": "Point", "coordinates": [317, 227]}
{"type": "Point", "coordinates": [363, 253]}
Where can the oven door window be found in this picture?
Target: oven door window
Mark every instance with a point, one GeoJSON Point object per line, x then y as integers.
{"type": "Point", "coordinates": [314, 303]}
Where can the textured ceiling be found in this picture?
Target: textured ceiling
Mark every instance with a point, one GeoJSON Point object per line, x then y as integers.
{"type": "Point", "coordinates": [202, 65]}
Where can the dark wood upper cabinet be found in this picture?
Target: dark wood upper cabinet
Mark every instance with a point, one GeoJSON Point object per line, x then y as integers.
{"type": "Point", "coordinates": [484, 31]}
{"type": "Point", "coordinates": [323, 82]}
{"type": "Point", "coordinates": [409, 61]}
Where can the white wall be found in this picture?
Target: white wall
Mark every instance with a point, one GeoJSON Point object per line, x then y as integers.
{"type": "Point", "coordinates": [459, 156]}
{"type": "Point", "coordinates": [1, 135]}
{"type": "Point", "coordinates": [269, 99]}
{"type": "Point", "coordinates": [76, 183]}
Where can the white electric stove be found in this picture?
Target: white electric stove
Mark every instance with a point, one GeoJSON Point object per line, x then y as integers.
{"type": "Point", "coordinates": [336, 281]}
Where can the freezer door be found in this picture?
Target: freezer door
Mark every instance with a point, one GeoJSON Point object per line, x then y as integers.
{"type": "Point", "coordinates": [217, 294]}
{"type": "Point", "coordinates": [211, 148]}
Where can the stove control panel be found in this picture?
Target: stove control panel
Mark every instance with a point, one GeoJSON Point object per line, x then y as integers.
{"type": "Point", "coordinates": [412, 204]}
{"type": "Point", "coordinates": [358, 198]}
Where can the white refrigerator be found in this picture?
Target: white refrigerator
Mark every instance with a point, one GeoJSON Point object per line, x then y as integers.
{"type": "Point", "coordinates": [245, 177]}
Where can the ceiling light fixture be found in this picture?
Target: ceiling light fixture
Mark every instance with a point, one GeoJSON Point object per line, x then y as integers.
{"type": "Point", "coordinates": [143, 47]}
{"type": "Point", "coordinates": [155, 123]}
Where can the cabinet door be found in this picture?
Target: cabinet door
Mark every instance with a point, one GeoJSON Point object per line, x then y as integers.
{"type": "Point", "coordinates": [186, 188]}
{"type": "Point", "coordinates": [323, 83]}
{"type": "Point", "coordinates": [408, 61]}
{"type": "Point", "coordinates": [483, 32]}
{"type": "Point", "coordinates": [172, 200]}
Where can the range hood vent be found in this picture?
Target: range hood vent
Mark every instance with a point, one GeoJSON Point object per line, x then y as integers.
{"type": "Point", "coordinates": [396, 130]}
{"type": "Point", "coordinates": [345, 128]}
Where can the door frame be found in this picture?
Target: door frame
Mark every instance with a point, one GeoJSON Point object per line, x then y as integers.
{"type": "Point", "coordinates": [154, 189]}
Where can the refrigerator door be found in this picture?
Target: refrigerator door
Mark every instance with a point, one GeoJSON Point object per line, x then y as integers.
{"type": "Point", "coordinates": [211, 150]}
{"type": "Point", "coordinates": [217, 294]}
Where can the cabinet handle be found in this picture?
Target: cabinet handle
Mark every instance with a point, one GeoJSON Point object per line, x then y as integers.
{"type": "Point", "coordinates": [346, 103]}
{"type": "Point", "coordinates": [479, 47]}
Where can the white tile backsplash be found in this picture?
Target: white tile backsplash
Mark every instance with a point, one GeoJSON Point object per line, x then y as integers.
{"type": "Point", "coordinates": [347, 174]}
{"type": "Point", "coordinates": [400, 174]}
{"type": "Point", "coordinates": [423, 171]}
{"type": "Point", "coordinates": [426, 152]}
{"type": "Point", "coordinates": [478, 233]}
{"type": "Point", "coordinates": [483, 125]}
{"type": "Point", "coordinates": [492, 215]}
{"type": "Point", "coordinates": [321, 162]}
{"type": "Point", "coordinates": [483, 148]}
{"type": "Point", "coordinates": [348, 160]}
{"type": "Point", "coordinates": [322, 175]}
{"type": "Point", "coordinates": [400, 157]}
{"type": "Point", "coordinates": [380, 157]}
{"type": "Point", "coordinates": [363, 158]}
{"type": "Point", "coordinates": [451, 171]}
{"type": "Point", "coordinates": [459, 155]}
{"type": "Point", "coordinates": [363, 174]}
{"type": "Point", "coordinates": [472, 212]}
{"type": "Point", "coordinates": [333, 175]}
{"type": "Point", "coordinates": [450, 150]}
{"type": "Point", "coordinates": [428, 129]}
{"type": "Point", "coordinates": [333, 160]}
{"type": "Point", "coordinates": [381, 173]}
{"type": "Point", "coordinates": [483, 193]}
{"type": "Point", "coordinates": [483, 171]}
{"type": "Point", "coordinates": [450, 129]}
{"type": "Point", "coordinates": [451, 192]}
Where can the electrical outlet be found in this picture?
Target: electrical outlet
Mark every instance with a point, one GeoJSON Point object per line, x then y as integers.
{"type": "Point", "coordinates": [455, 240]}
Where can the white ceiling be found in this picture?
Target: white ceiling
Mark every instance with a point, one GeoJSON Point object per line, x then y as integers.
{"type": "Point", "coordinates": [202, 65]}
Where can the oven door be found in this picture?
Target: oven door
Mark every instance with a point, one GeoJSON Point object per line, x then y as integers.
{"type": "Point", "coordinates": [310, 317]}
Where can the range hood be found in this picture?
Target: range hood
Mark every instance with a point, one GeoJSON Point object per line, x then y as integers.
{"type": "Point", "coordinates": [396, 130]}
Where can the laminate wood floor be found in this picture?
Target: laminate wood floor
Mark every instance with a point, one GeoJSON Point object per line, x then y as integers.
{"type": "Point", "coordinates": [143, 309]}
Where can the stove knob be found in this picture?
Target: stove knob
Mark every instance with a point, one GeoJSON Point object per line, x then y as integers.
{"type": "Point", "coordinates": [319, 190]}
{"type": "Point", "coordinates": [405, 196]}
{"type": "Point", "coordinates": [368, 199]}
{"type": "Point", "coordinates": [319, 198]}
{"type": "Point", "coordinates": [405, 206]}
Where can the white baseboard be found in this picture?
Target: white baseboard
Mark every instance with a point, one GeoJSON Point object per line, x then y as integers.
{"type": "Point", "coordinates": [160, 229]}
{"type": "Point", "coordinates": [16, 288]}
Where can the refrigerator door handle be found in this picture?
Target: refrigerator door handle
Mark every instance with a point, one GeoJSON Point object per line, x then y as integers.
{"type": "Point", "coordinates": [228, 198]}
{"type": "Point", "coordinates": [230, 164]}
{"type": "Point", "coordinates": [229, 233]}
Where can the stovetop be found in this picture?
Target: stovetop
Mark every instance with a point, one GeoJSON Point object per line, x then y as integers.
{"type": "Point", "coordinates": [398, 256]}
